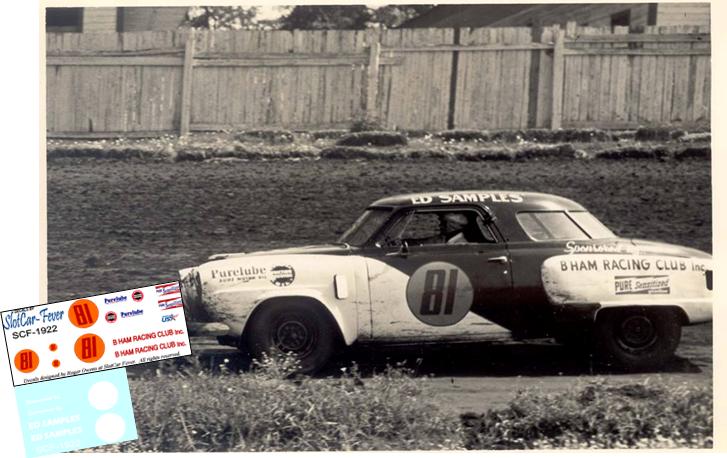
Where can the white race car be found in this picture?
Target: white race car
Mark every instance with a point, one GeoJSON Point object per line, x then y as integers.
{"type": "Point", "coordinates": [458, 266]}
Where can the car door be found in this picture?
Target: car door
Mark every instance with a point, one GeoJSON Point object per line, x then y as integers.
{"type": "Point", "coordinates": [434, 290]}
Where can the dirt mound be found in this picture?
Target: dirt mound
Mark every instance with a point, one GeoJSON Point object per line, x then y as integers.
{"type": "Point", "coordinates": [375, 138]}
{"type": "Point", "coordinates": [527, 135]}
{"type": "Point", "coordinates": [269, 135]}
{"type": "Point", "coordinates": [645, 134]}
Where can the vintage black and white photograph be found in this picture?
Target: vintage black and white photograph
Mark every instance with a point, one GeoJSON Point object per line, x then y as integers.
{"type": "Point", "coordinates": [396, 226]}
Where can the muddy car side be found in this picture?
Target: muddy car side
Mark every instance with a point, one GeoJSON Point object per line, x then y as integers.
{"type": "Point", "coordinates": [534, 265]}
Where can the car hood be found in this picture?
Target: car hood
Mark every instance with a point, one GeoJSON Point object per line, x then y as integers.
{"type": "Point", "coordinates": [338, 249]}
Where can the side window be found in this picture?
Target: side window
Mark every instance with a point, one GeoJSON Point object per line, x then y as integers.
{"type": "Point", "coordinates": [439, 227]}
{"type": "Point", "coordinates": [422, 226]}
{"type": "Point", "coordinates": [550, 226]}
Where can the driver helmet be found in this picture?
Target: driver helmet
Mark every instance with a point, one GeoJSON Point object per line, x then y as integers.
{"type": "Point", "coordinates": [455, 221]}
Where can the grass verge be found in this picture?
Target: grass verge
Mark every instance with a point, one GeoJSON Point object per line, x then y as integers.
{"type": "Point", "coordinates": [517, 145]}
{"type": "Point", "coordinates": [268, 410]}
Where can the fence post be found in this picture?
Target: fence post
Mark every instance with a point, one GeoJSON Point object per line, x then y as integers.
{"type": "Point", "coordinates": [186, 103]}
{"type": "Point", "coordinates": [372, 77]}
{"type": "Point", "coordinates": [556, 114]}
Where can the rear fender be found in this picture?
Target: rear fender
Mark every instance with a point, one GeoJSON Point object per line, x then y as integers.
{"type": "Point", "coordinates": [618, 280]}
{"type": "Point", "coordinates": [692, 313]}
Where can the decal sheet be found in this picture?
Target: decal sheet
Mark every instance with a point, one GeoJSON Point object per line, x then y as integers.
{"type": "Point", "coordinates": [108, 331]}
{"type": "Point", "coordinates": [74, 413]}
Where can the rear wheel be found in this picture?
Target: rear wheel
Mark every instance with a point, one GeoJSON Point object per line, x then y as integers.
{"type": "Point", "coordinates": [637, 338]}
{"type": "Point", "coordinates": [300, 330]}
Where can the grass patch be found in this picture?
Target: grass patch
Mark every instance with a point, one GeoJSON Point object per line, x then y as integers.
{"type": "Point", "coordinates": [184, 407]}
{"type": "Point", "coordinates": [266, 410]}
{"type": "Point", "coordinates": [598, 415]}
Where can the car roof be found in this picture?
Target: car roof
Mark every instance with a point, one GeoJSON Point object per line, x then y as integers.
{"type": "Point", "coordinates": [496, 200]}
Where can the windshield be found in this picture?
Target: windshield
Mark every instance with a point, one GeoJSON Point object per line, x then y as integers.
{"type": "Point", "coordinates": [365, 226]}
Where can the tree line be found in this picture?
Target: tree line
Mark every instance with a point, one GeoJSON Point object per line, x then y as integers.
{"type": "Point", "coordinates": [304, 17]}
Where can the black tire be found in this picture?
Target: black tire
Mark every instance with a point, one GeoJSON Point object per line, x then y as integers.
{"type": "Point", "coordinates": [302, 330]}
{"type": "Point", "coordinates": [637, 338]}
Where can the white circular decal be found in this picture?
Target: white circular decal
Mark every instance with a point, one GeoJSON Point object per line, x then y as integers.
{"type": "Point", "coordinates": [103, 395]}
{"type": "Point", "coordinates": [110, 427]}
{"type": "Point", "coordinates": [439, 294]}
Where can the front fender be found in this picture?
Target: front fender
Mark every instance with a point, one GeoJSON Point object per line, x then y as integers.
{"type": "Point", "coordinates": [230, 290]}
{"type": "Point", "coordinates": [347, 322]}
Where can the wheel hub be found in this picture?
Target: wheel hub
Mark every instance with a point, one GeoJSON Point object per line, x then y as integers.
{"type": "Point", "coordinates": [637, 332]}
{"type": "Point", "coordinates": [292, 336]}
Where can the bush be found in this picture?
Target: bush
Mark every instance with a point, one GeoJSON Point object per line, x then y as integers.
{"type": "Point", "coordinates": [266, 410]}
{"type": "Point", "coordinates": [373, 139]}
{"type": "Point", "coordinates": [598, 416]}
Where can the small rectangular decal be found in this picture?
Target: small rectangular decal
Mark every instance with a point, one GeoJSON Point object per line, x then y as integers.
{"type": "Point", "coordinates": [642, 284]}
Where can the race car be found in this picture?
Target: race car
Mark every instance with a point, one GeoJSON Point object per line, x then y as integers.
{"type": "Point", "coordinates": [458, 266]}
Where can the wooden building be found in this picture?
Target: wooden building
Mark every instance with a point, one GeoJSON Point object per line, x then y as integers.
{"type": "Point", "coordinates": [114, 19]}
{"type": "Point", "coordinates": [584, 14]}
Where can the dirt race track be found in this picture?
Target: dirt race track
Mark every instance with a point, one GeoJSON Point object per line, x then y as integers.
{"type": "Point", "coordinates": [115, 225]}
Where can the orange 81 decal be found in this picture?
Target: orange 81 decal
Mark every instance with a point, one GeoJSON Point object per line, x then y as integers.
{"type": "Point", "coordinates": [83, 313]}
{"type": "Point", "coordinates": [439, 294]}
{"type": "Point", "coordinates": [26, 360]}
{"type": "Point", "coordinates": [89, 348]}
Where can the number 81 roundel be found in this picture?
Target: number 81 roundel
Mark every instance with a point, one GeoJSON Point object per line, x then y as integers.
{"type": "Point", "coordinates": [439, 294]}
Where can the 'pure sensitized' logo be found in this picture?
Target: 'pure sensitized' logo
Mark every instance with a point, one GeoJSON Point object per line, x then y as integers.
{"type": "Point", "coordinates": [642, 284]}
{"type": "Point", "coordinates": [166, 304]}
{"type": "Point", "coordinates": [167, 289]}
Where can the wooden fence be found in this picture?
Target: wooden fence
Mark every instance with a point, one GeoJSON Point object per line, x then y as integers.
{"type": "Point", "coordinates": [147, 83]}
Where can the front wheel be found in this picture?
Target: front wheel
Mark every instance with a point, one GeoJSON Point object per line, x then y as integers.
{"type": "Point", "coordinates": [637, 338]}
{"type": "Point", "coordinates": [302, 331]}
